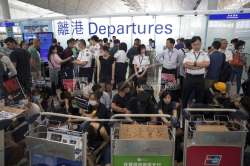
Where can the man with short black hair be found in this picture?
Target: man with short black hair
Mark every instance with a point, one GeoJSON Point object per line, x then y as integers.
{"type": "Point", "coordinates": [21, 60]}
{"type": "Point", "coordinates": [195, 62]}
{"type": "Point", "coordinates": [133, 51]}
{"type": "Point", "coordinates": [115, 47]}
{"type": "Point", "coordinates": [105, 98]}
{"type": "Point", "coordinates": [217, 59]}
{"type": "Point", "coordinates": [180, 43]}
{"type": "Point", "coordinates": [120, 101]}
{"type": "Point", "coordinates": [170, 59]}
{"type": "Point", "coordinates": [67, 67]}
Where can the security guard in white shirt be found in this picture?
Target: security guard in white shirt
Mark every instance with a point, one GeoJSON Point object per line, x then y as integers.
{"type": "Point", "coordinates": [84, 61]}
{"type": "Point", "coordinates": [195, 63]}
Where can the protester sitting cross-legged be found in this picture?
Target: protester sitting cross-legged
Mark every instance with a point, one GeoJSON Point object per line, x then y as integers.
{"type": "Point", "coordinates": [218, 97]}
{"type": "Point", "coordinates": [105, 97]}
{"type": "Point", "coordinates": [143, 103]}
{"type": "Point", "coordinates": [120, 100]}
{"type": "Point", "coordinates": [96, 109]}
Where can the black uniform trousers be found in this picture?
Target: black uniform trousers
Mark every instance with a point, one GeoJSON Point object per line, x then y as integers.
{"type": "Point", "coordinates": [193, 84]}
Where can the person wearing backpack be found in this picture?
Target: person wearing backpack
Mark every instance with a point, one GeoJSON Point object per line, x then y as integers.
{"type": "Point", "coordinates": [238, 63]}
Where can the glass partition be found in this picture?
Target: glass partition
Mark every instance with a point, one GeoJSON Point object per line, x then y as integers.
{"type": "Point", "coordinates": [219, 29]}
{"type": "Point", "coordinates": [144, 28]}
{"type": "Point", "coordinates": [191, 25]}
{"type": "Point", "coordinates": [121, 32]}
{"type": "Point", "coordinates": [171, 29]}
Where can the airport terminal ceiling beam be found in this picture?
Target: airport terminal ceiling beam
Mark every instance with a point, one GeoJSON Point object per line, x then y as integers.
{"type": "Point", "coordinates": [190, 12]}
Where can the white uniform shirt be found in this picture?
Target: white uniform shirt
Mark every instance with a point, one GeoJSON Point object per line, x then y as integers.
{"type": "Point", "coordinates": [85, 56]}
{"type": "Point", "coordinates": [121, 56]}
{"type": "Point", "coordinates": [141, 62]}
{"type": "Point", "coordinates": [170, 59]}
{"type": "Point", "coordinates": [228, 53]}
{"type": "Point", "coordinates": [95, 50]}
{"type": "Point", "coordinates": [200, 56]}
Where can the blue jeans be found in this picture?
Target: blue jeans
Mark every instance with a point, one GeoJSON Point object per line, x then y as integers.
{"type": "Point", "coordinates": [237, 72]}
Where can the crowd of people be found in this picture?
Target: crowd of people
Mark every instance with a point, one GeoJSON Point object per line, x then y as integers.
{"type": "Point", "coordinates": [116, 79]}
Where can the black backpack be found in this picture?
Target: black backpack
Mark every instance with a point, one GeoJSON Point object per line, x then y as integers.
{"type": "Point", "coordinates": [226, 71]}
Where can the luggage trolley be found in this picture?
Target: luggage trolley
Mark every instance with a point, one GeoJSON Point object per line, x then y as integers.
{"type": "Point", "coordinates": [57, 146]}
{"type": "Point", "coordinates": [126, 151]}
{"type": "Point", "coordinates": [213, 138]}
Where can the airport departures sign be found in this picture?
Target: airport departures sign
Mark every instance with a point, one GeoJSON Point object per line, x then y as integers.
{"type": "Point", "coordinates": [79, 27]}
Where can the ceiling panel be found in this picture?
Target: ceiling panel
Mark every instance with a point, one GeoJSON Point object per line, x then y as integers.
{"type": "Point", "coordinates": [91, 7]}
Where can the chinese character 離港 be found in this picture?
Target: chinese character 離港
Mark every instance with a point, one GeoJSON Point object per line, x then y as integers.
{"type": "Point", "coordinates": [77, 27]}
{"type": "Point", "coordinates": [63, 28]}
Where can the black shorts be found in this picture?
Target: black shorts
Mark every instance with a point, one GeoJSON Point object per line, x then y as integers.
{"type": "Point", "coordinates": [86, 72]}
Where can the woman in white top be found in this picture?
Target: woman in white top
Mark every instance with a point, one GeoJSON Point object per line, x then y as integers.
{"type": "Point", "coordinates": [95, 51]}
{"type": "Point", "coordinates": [141, 63]}
{"type": "Point", "coordinates": [84, 61]}
{"type": "Point", "coordinates": [55, 66]}
{"type": "Point", "coordinates": [121, 63]}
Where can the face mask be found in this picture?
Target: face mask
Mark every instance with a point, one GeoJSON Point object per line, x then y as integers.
{"type": "Point", "coordinates": [93, 102]}
{"type": "Point", "coordinates": [166, 101]}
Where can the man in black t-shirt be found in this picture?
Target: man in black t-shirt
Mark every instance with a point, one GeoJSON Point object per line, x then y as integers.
{"type": "Point", "coordinates": [119, 103]}
{"type": "Point", "coordinates": [67, 67]}
{"type": "Point", "coordinates": [21, 59]}
{"type": "Point", "coordinates": [143, 103]}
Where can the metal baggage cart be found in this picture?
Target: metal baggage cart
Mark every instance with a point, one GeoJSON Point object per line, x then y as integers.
{"type": "Point", "coordinates": [154, 152]}
{"type": "Point", "coordinates": [213, 137]}
{"type": "Point", "coordinates": [7, 115]}
{"type": "Point", "coordinates": [55, 146]}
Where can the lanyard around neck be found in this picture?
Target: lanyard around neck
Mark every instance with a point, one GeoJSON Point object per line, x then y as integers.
{"type": "Point", "coordinates": [140, 61]}
{"type": "Point", "coordinates": [170, 54]}
{"type": "Point", "coordinates": [197, 56]}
